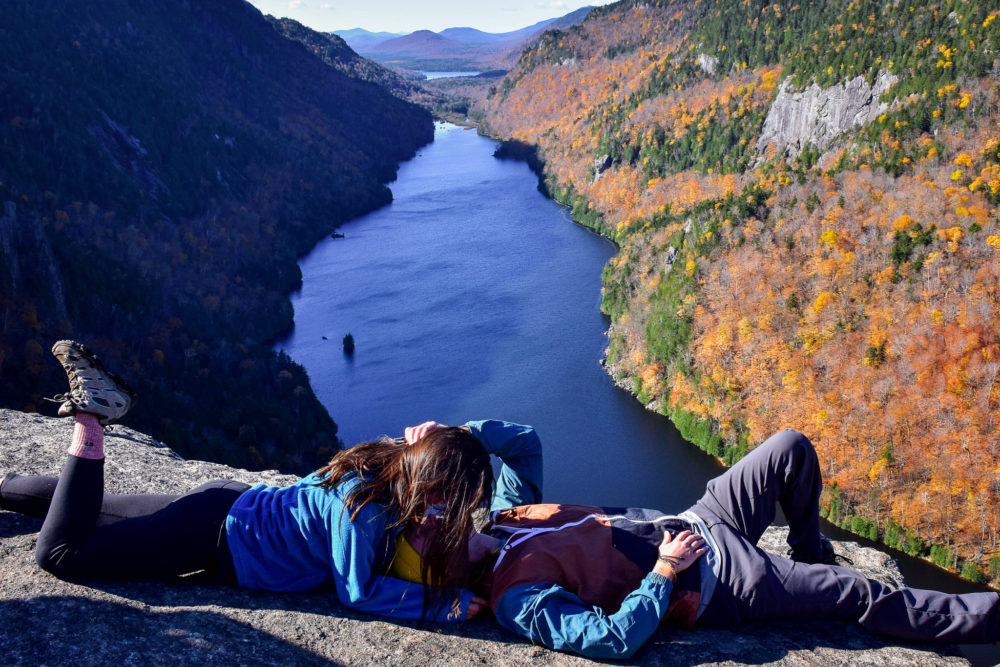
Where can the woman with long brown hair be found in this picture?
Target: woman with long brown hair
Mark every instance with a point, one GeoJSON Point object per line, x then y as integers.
{"type": "Point", "coordinates": [338, 525]}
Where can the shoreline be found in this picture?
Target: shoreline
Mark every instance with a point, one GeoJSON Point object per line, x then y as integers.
{"type": "Point", "coordinates": [514, 150]}
{"type": "Point", "coordinates": [284, 332]}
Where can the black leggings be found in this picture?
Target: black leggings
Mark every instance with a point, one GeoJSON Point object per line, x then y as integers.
{"type": "Point", "coordinates": [90, 534]}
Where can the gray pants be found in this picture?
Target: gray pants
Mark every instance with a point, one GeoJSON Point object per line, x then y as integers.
{"type": "Point", "coordinates": [757, 586]}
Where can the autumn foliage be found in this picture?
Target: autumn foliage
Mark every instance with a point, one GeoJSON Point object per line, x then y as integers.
{"type": "Point", "coordinates": [849, 290]}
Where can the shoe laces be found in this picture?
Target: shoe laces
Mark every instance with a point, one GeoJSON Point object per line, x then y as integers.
{"type": "Point", "coordinates": [75, 374]}
{"type": "Point", "coordinates": [842, 560]}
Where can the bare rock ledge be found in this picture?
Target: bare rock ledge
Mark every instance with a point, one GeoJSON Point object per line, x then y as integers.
{"type": "Point", "coordinates": [47, 621]}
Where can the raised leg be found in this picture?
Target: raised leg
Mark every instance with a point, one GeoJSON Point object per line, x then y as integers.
{"type": "Point", "coordinates": [781, 470]}
{"type": "Point", "coordinates": [72, 515]}
{"type": "Point", "coordinates": [179, 537]}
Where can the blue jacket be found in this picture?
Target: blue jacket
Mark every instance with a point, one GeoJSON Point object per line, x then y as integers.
{"type": "Point", "coordinates": [297, 537]}
{"type": "Point", "coordinates": [549, 614]}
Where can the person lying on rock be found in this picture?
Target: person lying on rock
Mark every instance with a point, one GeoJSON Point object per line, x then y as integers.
{"type": "Point", "coordinates": [599, 581]}
{"type": "Point", "coordinates": [338, 525]}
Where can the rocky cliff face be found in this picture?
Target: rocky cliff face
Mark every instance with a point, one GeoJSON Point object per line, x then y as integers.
{"type": "Point", "coordinates": [47, 621]}
{"type": "Point", "coordinates": [818, 116]}
{"type": "Point", "coordinates": [27, 253]}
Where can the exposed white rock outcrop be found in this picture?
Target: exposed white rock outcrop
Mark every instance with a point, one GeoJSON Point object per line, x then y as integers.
{"type": "Point", "coordinates": [708, 63]}
{"type": "Point", "coordinates": [127, 154]}
{"type": "Point", "coordinates": [601, 164]}
{"type": "Point", "coordinates": [818, 116]}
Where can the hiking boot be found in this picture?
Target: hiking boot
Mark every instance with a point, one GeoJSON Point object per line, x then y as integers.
{"type": "Point", "coordinates": [92, 387]}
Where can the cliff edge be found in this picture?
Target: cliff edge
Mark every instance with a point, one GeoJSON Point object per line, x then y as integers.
{"type": "Point", "coordinates": [47, 621]}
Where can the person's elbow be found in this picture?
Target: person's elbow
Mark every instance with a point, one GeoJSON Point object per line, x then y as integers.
{"type": "Point", "coordinates": [361, 597]}
{"type": "Point", "coordinates": [599, 644]}
{"type": "Point", "coordinates": [624, 650]}
{"type": "Point", "coordinates": [613, 650]}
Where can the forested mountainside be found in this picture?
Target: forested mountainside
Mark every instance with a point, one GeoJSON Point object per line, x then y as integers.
{"type": "Point", "coordinates": [334, 51]}
{"type": "Point", "coordinates": [804, 195]}
{"type": "Point", "coordinates": [163, 165]}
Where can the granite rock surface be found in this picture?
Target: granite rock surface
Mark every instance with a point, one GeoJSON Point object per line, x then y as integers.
{"type": "Point", "coordinates": [818, 116]}
{"type": "Point", "coordinates": [47, 621]}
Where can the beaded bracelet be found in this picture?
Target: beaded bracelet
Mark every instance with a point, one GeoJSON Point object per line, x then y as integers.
{"type": "Point", "coordinates": [673, 571]}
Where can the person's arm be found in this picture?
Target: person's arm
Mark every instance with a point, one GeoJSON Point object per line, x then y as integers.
{"type": "Point", "coordinates": [520, 453]}
{"type": "Point", "coordinates": [552, 616]}
{"type": "Point", "coordinates": [357, 586]}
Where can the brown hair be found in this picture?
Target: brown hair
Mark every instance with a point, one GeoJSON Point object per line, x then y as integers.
{"type": "Point", "coordinates": [447, 468]}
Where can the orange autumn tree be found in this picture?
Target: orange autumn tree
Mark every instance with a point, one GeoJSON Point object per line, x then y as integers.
{"type": "Point", "coordinates": [849, 289]}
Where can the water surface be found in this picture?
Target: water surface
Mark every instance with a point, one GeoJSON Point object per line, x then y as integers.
{"type": "Point", "coordinates": [447, 75]}
{"type": "Point", "coordinates": [473, 296]}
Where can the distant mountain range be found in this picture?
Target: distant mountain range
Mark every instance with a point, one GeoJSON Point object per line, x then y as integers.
{"type": "Point", "coordinates": [359, 38]}
{"type": "Point", "coordinates": [460, 49]}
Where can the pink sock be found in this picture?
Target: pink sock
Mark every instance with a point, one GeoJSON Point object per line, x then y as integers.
{"type": "Point", "coordinates": [88, 437]}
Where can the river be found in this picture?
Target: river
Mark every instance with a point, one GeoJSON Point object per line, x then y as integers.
{"type": "Point", "coordinates": [473, 296]}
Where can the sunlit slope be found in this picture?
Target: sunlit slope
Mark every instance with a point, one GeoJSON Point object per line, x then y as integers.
{"type": "Point", "coordinates": [805, 199]}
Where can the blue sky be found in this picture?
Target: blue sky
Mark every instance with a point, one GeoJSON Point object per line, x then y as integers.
{"type": "Point", "coordinates": [405, 16]}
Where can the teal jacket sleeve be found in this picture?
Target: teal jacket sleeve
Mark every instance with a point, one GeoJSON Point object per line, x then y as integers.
{"type": "Point", "coordinates": [358, 587]}
{"type": "Point", "coordinates": [550, 615]}
{"type": "Point", "coordinates": [520, 453]}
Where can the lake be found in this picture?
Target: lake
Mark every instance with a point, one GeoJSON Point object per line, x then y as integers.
{"type": "Point", "coordinates": [473, 296]}
{"type": "Point", "coordinates": [447, 75]}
